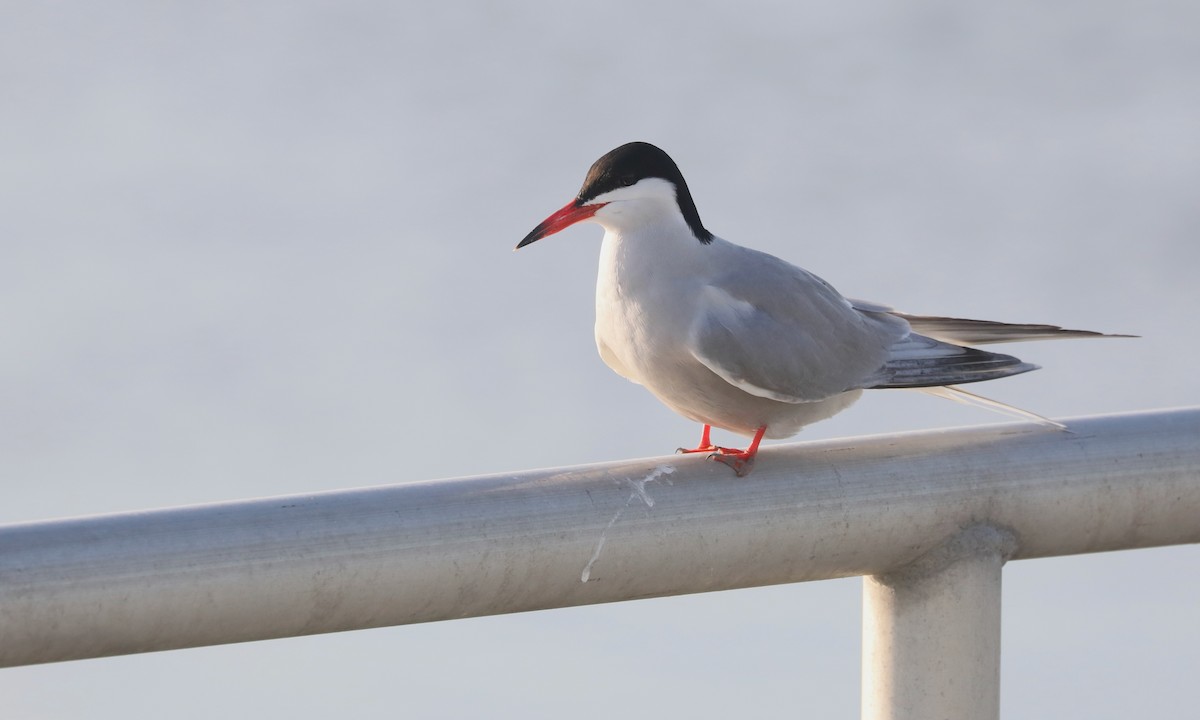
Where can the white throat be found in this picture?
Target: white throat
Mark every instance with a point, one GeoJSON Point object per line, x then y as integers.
{"type": "Point", "coordinates": [648, 213]}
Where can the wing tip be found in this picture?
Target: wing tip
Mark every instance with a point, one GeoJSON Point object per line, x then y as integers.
{"type": "Point", "coordinates": [981, 332]}
{"type": "Point", "coordinates": [945, 364]}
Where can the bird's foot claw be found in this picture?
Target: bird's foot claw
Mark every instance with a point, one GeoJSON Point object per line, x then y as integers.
{"type": "Point", "coordinates": [741, 461]}
{"type": "Point", "coordinates": [701, 449]}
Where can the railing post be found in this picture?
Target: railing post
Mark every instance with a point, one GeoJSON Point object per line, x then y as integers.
{"type": "Point", "coordinates": [931, 632]}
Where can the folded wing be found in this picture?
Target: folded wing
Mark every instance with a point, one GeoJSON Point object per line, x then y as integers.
{"type": "Point", "coordinates": [789, 336]}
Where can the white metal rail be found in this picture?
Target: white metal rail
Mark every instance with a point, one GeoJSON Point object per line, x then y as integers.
{"type": "Point", "coordinates": [929, 516]}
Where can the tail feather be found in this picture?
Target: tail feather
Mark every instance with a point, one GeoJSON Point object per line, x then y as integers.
{"type": "Point", "coordinates": [962, 396]}
{"type": "Point", "coordinates": [982, 332]}
{"type": "Point", "coordinates": [933, 357]}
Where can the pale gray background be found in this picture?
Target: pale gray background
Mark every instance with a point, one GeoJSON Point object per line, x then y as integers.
{"type": "Point", "coordinates": [264, 248]}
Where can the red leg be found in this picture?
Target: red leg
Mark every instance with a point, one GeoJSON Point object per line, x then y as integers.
{"type": "Point", "coordinates": [742, 461]}
{"type": "Point", "coordinates": [705, 443]}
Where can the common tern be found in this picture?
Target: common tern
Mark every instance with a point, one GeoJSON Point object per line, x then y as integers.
{"type": "Point", "coordinates": [737, 339]}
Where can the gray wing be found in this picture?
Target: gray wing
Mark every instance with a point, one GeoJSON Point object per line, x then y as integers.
{"type": "Point", "coordinates": [787, 335]}
{"type": "Point", "coordinates": [918, 361]}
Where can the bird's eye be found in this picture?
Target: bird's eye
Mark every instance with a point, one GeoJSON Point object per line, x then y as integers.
{"type": "Point", "coordinates": [628, 180]}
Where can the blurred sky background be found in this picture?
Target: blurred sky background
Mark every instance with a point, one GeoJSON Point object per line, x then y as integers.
{"type": "Point", "coordinates": [251, 249]}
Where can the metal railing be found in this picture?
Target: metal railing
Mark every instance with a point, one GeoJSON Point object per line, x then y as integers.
{"type": "Point", "coordinates": [930, 517]}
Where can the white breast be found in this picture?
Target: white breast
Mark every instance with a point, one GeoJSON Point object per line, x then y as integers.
{"type": "Point", "coordinates": [644, 303]}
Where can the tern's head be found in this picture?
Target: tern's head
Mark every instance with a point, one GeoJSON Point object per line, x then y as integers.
{"type": "Point", "coordinates": [634, 183]}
